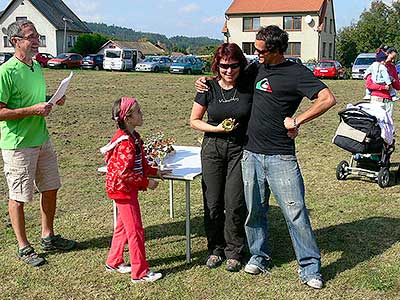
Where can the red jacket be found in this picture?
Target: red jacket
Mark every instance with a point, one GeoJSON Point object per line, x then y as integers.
{"type": "Point", "coordinates": [380, 90]}
{"type": "Point", "coordinates": [120, 157]}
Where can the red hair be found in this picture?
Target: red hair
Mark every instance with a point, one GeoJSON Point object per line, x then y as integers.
{"type": "Point", "coordinates": [228, 51]}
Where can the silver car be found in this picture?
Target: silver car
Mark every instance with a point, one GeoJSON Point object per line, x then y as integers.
{"type": "Point", "coordinates": [154, 64]}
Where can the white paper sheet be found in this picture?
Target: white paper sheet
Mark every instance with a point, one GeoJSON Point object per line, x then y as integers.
{"type": "Point", "coordinates": [62, 88]}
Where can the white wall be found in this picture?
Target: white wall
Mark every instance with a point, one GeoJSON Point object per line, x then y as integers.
{"type": "Point", "coordinates": [43, 26]}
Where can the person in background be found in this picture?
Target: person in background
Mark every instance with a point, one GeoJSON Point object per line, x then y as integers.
{"type": "Point", "coordinates": [29, 158]}
{"type": "Point", "coordinates": [379, 93]}
{"type": "Point", "coordinates": [227, 104]}
{"type": "Point", "coordinates": [127, 174]}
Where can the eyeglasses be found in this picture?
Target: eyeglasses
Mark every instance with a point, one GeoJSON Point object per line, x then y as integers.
{"type": "Point", "coordinates": [260, 51]}
{"type": "Point", "coordinates": [30, 38]}
{"type": "Point", "coordinates": [227, 66]}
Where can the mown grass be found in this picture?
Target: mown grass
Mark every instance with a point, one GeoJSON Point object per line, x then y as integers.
{"type": "Point", "coordinates": [357, 223]}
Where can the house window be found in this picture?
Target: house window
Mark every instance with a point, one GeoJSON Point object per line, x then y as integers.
{"type": "Point", "coordinates": [21, 18]}
{"type": "Point", "coordinates": [294, 49]}
{"type": "Point", "coordinates": [42, 41]}
{"type": "Point", "coordinates": [248, 48]}
{"type": "Point", "coordinates": [330, 50]}
{"type": "Point", "coordinates": [251, 24]}
{"type": "Point", "coordinates": [292, 23]}
{"type": "Point", "coordinates": [330, 26]}
{"type": "Point", "coordinates": [325, 24]}
{"type": "Point", "coordinates": [70, 41]}
{"type": "Point", "coordinates": [323, 49]}
{"type": "Point", "coordinates": [6, 42]}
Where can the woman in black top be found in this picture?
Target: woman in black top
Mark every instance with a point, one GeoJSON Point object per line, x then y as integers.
{"type": "Point", "coordinates": [229, 97]}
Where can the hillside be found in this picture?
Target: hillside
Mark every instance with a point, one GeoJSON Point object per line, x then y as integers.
{"type": "Point", "coordinates": [176, 43]}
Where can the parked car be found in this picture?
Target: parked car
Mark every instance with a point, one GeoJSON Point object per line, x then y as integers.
{"type": "Point", "coordinates": [362, 62]}
{"type": "Point", "coordinates": [154, 64]}
{"type": "Point", "coordinates": [187, 65]}
{"type": "Point", "coordinates": [93, 62]}
{"type": "Point", "coordinates": [329, 69]}
{"type": "Point", "coordinates": [251, 58]}
{"type": "Point", "coordinates": [294, 59]}
{"type": "Point", "coordinates": [65, 60]}
{"type": "Point", "coordinates": [4, 57]}
{"type": "Point", "coordinates": [43, 58]}
{"type": "Point", "coordinates": [310, 66]}
{"type": "Point", "coordinates": [398, 68]}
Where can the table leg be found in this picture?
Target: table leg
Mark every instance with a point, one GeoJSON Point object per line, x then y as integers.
{"type": "Point", "coordinates": [171, 198]}
{"type": "Point", "coordinates": [187, 221]}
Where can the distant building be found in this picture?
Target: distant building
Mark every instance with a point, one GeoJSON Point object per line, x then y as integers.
{"type": "Point", "coordinates": [57, 25]}
{"type": "Point", "coordinates": [146, 48]}
{"type": "Point", "coordinates": [310, 24]}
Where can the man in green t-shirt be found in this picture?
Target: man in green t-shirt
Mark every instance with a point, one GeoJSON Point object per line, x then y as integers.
{"type": "Point", "coordinates": [29, 158]}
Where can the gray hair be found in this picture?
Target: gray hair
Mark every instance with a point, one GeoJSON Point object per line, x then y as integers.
{"type": "Point", "coordinates": [15, 29]}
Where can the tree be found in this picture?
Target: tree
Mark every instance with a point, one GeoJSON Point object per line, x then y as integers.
{"type": "Point", "coordinates": [89, 43]}
{"type": "Point", "coordinates": [376, 26]}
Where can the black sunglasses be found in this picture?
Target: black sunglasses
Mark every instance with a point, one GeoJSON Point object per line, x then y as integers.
{"type": "Point", "coordinates": [227, 66]}
{"type": "Point", "coordinates": [261, 51]}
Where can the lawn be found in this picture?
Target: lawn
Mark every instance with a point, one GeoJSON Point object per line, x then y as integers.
{"type": "Point", "coordinates": [356, 222]}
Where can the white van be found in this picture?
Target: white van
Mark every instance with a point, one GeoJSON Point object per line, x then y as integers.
{"type": "Point", "coordinates": [121, 59]}
{"type": "Point", "coordinates": [362, 62]}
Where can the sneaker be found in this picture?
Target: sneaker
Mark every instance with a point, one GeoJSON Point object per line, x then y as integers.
{"type": "Point", "coordinates": [29, 256]}
{"type": "Point", "coordinates": [149, 277]}
{"type": "Point", "coordinates": [233, 265]}
{"type": "Point", "coordinates": [214, 261]}
{"type": "Point", "coordinates": [122, 268]}
{"type": "Point", "coordinates": [395, 98]}
{"type": "Point", "coordinates": [56, 242]}
{"type": "Point", "coordinates": [315, 283]}
{"type": "Point", "coordinates": [252, 269]}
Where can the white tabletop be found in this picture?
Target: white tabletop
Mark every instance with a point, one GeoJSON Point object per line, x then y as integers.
{"type": "Point", "coordinates": [185, 164]}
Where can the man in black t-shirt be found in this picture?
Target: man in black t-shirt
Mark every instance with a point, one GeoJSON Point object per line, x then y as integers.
{"type": "Point", "coordinates": [269, 162]}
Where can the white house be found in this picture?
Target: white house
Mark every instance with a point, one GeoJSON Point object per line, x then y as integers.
{"type": "Point", "coordinates": [310, 24]}
{"type": "Point", "coordinates": [144, 48]}
{"type": "Point", "coordinates": [57, 25]}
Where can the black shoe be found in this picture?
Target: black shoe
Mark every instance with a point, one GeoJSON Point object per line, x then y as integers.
{"type": "Point", "coordinates": [233, 265]}
{"type": "Point", "coordinates": [56, 242]}
{"type": "Point", "coordinates": [29, 256]}
{"type": "Point", "coordinates": [214, 261]}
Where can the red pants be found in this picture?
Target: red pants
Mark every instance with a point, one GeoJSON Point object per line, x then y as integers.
{"type": "Point", "coordinates": [129, 229]}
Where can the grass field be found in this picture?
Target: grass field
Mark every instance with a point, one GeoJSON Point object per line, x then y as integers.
{"type": "Point", "coordinates": [356, 222]}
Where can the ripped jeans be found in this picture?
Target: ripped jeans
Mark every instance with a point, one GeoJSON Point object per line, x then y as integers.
{"type": "Point", "coordinates": [279, 174]}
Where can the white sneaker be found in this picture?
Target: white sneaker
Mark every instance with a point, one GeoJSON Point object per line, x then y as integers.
{"type": "Point", "coordinates": [122, 268]}
{"type": "Point", "coordinates": [149, 277]}
{"type": "Point", "coordinates": [367, 97]}
{"type": "Point", "coordinates": [252, 269]}
{"type": "Point", "coordinates": [315, 283]}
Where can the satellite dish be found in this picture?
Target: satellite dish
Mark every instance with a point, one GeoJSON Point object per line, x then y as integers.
{"type": "Point", "coordinates": [308, 19]}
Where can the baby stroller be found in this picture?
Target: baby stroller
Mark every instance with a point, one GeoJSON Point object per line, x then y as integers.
{"type": "Point", "coordinates": [360, 133]}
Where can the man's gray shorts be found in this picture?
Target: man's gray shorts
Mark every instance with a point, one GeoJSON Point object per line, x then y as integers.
{"type": "Point", "coordinates": [28, 168]}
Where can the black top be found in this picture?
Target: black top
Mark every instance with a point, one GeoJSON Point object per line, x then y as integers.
{"type": "Point", "coordinates": [222, 104]}
{"type": "Point", "coordinates": [278, 92]}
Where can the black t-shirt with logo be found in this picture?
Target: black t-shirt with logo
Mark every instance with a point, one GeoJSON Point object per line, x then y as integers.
{"type": "Point", "coordinates": [222, 104]}
{"type": "Point", "coordinates": [278, 92]}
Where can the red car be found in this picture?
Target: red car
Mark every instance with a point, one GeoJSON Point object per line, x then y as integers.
{"type": "Point", "coordinates": [43, 58]}
{"type": "Point", "coordinates": [329, 69]}
{"type": "Point", "coordinates": [65, 60]}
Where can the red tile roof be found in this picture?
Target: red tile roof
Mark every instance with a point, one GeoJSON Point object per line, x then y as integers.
{"type": "Point", "coordinates": [274, 6]}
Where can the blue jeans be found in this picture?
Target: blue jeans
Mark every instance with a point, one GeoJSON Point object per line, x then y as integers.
{"type": "Point", "coordinates": [281, 175]}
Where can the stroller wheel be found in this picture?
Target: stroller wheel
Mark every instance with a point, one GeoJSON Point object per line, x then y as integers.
{"type": "Point", "coordinates": [341, 170]}
{"type": "Point", "coordinates": [383, 177]}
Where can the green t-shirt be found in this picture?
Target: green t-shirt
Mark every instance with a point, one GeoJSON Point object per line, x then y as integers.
{"type": "Point", "coordinates": [21, 87]}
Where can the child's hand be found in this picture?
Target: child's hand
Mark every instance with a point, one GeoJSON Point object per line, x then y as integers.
{"type": "Point", "coordinates": [162, 173]}
{"type": "Point", "coordinates": [387, 87]}
{"type": "Point", "coordinates": [152, 184]}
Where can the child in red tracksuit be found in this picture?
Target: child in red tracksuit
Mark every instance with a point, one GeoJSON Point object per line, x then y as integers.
{"type": "Point", "coordinates": [127, 174]}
